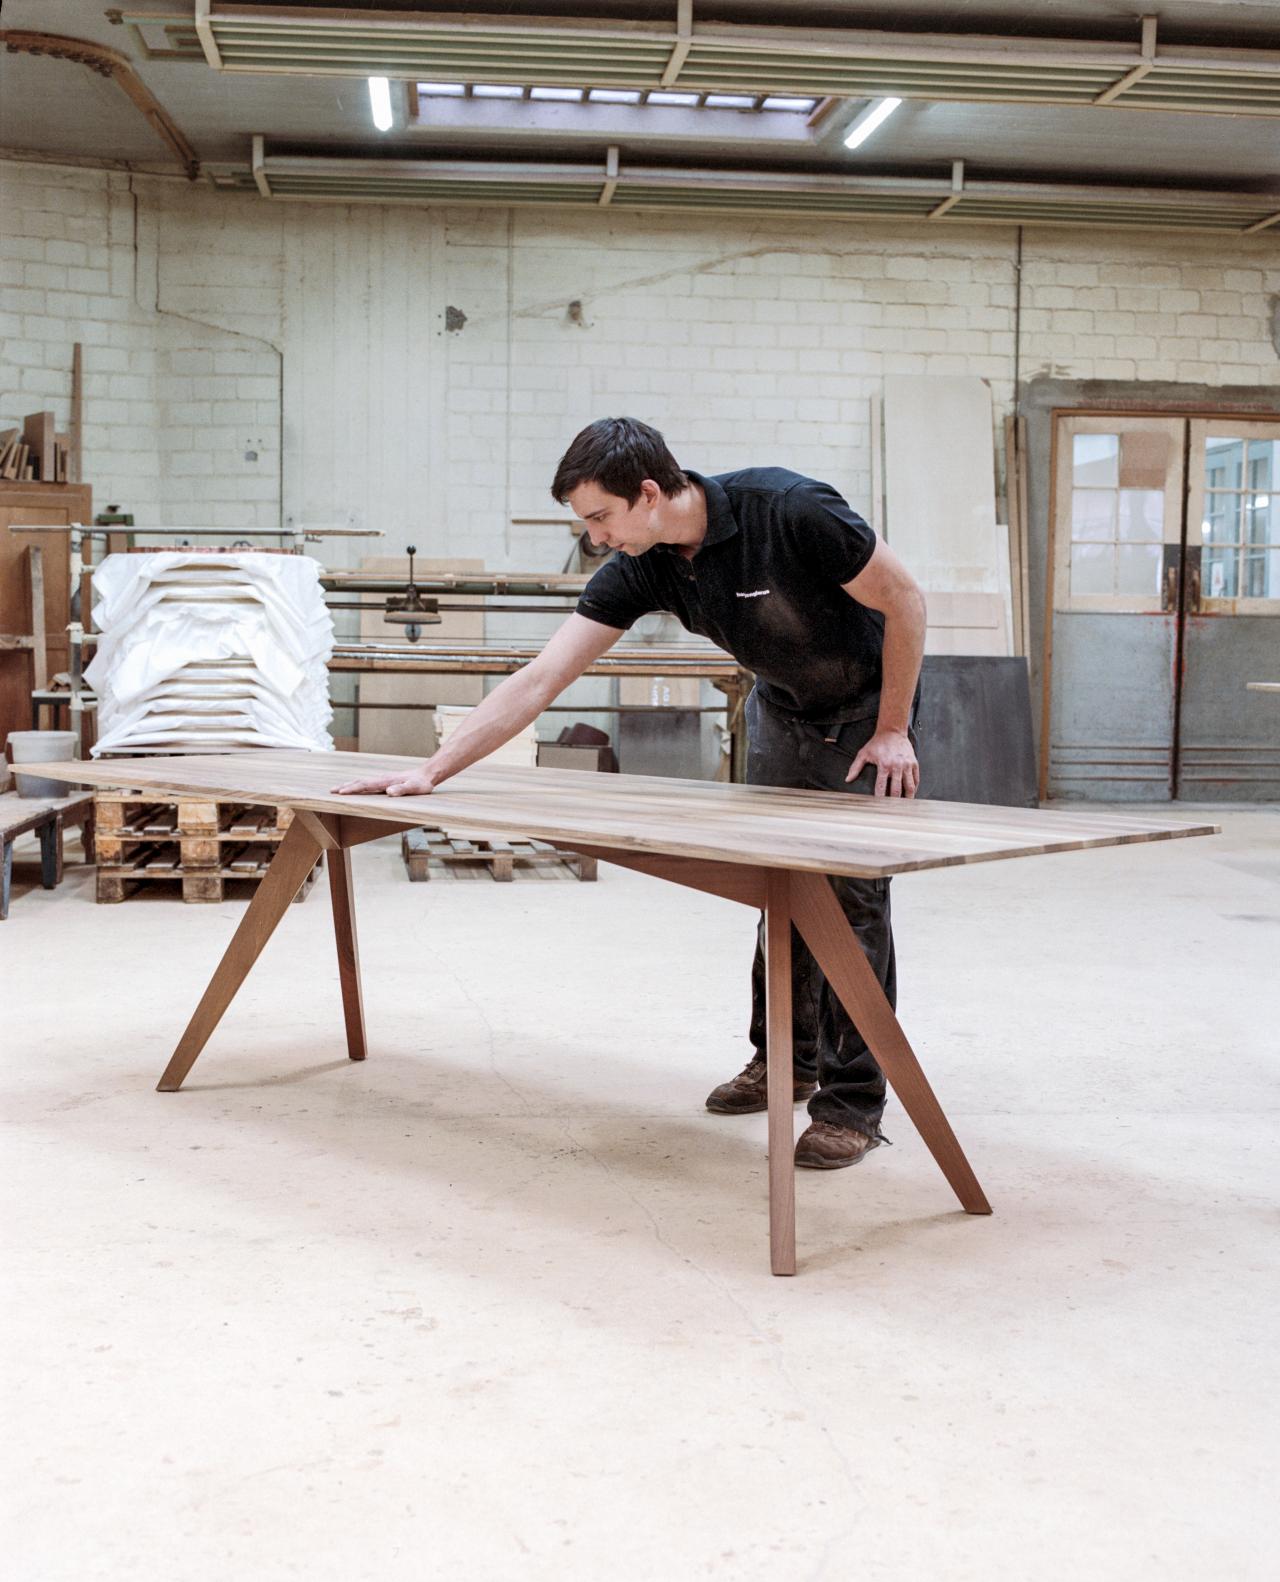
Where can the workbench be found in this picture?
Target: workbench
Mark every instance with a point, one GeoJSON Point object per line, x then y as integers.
{"type": "Point", "coordinates": [699, 661]}
{"type": "Point", "coordinates": [762, 846]}
{"type": "Point", "coordinates": [47, 818]}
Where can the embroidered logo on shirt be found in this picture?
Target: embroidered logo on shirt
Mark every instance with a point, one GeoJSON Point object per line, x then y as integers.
{"type": "Point", "coordinates": [759, 593]}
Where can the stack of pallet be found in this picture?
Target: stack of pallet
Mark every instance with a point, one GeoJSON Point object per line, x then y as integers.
{"type": "Point", "coordinates": [34, 453]}
{"type": "Point", "coordinates": [201, 846]}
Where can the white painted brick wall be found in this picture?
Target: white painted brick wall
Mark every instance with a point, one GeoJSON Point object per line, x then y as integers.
{"type": "Point", "coordinates": [172, 399]}
{"type": "Point", "coordinates": [211, 324]}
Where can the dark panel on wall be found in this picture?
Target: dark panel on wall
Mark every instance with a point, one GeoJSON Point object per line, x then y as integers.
{"type": "Point", "coordinates": [974, 729]}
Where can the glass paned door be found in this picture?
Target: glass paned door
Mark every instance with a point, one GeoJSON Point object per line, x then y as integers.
{"type": "Point", "coordinates": [1117, 530]}
{"type": "Point", "coordinates": [1229, 737]}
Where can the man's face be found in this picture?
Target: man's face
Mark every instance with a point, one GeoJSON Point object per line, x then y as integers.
{"type": "Point", "coordinates": [611, 521]}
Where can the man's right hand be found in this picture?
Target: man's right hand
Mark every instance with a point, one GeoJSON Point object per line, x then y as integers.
{"type": "Point", "coordinates": [417, 782]}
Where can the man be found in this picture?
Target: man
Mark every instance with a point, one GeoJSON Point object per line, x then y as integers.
{"type": "Point", "coordinates": [778, 570]}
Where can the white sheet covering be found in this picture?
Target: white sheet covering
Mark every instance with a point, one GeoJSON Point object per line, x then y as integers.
{"type": "Point", "coordinates": [211, 652]}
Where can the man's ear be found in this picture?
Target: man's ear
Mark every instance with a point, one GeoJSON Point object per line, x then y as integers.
{"type": "Point", "coordinates": [651, 491]}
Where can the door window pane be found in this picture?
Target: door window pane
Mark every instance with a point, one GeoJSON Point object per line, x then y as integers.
{"type": "Point", "coordinates": [1142, 515]}
{"type": "Point", "coordinates": [1219, 573]}
{"type": "Point", "coordinates": [1223, 462]}
{"type": "Point", "coordinates": [1258, 517]}
{"type": "Point", "coordinates": [1261, 573]}
{"type": "Point", "coordinates": [1144, 458]}
{"type": "Point", "coordinates": [1093, 513]}
{"type": "Point", "coordinates": [1138, 569]}
{"type": "Point", "coordinates": [1095, 460]}
{"type": "Point", "coordinates": [1092, 568]}
{"type": "Point", "coordinates": [1221, 518]}
{"type": "Point", "coordinates": [1264, 464]}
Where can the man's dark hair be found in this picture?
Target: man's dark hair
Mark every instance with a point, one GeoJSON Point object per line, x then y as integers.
{"type": "Point", "coordinates": [618, 453]}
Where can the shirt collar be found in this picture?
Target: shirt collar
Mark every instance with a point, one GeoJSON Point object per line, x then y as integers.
{"type": "Point", "coordinates": [721, 522]}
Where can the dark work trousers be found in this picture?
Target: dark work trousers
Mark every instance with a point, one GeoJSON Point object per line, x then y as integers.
{"type": "Point", "coordinates": [828, 1048]}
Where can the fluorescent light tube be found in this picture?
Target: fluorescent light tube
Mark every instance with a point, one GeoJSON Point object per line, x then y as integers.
{"type": "Point", "coordinates": [873, 116]}
{"type": "Point", "coordinates": [380, 102]}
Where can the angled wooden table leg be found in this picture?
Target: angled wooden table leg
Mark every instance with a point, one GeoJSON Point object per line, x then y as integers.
{"type": "Point", "coordinates": [826, 931]}
{"type": "Point", "coordinates": [781, 1080]}
{"type": "Point", "coordinates": [276, 889]}
{"type": "Point", "coordinates": [342, 895]}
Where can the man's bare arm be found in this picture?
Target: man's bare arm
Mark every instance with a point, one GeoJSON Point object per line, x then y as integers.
{"type": "Point", "coordinates": [505, 712]}
{"type": "Point", "coordinates": [885, 584]}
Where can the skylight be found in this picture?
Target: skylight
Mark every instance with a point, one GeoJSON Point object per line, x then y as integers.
{"type": "Point", "coordinates": [658, 98]}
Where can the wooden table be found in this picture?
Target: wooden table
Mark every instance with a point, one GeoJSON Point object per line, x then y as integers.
{"type": "Point", "coordinates": [48, 818]}
{"type": "Point", "coordinates": [697, 661]}
{"type": "Point", "coordinates": [761, 846]}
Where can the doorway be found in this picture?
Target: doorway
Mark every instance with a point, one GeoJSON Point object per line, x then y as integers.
{"type": "Point", "coordinates": [1163, 598]}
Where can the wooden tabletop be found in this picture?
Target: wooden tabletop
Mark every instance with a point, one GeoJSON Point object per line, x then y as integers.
{"type": "Point", "coordinates": [814, 831]}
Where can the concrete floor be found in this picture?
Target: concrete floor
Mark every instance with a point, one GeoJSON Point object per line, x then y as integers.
{"type": "Point", "coordinates": [496, 1304]}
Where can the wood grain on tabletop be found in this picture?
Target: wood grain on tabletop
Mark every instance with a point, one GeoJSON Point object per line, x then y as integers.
{"type": "Point", "coordinates": [814, 831]}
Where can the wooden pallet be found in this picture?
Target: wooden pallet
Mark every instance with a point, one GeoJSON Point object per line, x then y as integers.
{"type": "Point", "coordinates": [434, 854]}
{"type": "Point", "coordinates": [202, 844]}
{"type": "Point", "coordinates": [143, 812]}
{"type": "Point", "coordinates": [209, 885]}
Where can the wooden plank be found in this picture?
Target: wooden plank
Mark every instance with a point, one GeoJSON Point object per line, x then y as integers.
{"type": "Point", "coordinates": [35, 594]}
{"type": "Point", "coordinates": [1023, 591]}
{"type": "Point", "coordinates": [75, 470]}
{"type": "Point", "coordinates": [488, 659]}
{"type": "Point", "coordinates": [38, 436]}
{"type": "Point", "coordinates": [807, 831]}
{"type": "Point", "coordinates": [52, 506]}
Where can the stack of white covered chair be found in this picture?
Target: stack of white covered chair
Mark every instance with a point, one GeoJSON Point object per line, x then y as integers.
{"type": "Point", "coordinates": [212, 652]}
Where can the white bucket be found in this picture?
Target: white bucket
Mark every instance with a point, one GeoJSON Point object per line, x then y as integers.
{"type": "Point", "coordinates": [41, 747]}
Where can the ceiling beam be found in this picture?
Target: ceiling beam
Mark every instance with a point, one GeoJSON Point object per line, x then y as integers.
{"type": "Point", "coordinates": [204, 32]}
{"type": "Point", "coordinates": [308, 40]}
{"type": "Point", "coordinates": [1143, 69]}
{"type": "Point", "coordinates": [683, 44]}
{"type": "Point", "coordinates": [611, 178]}
{"type": "Point", "coordinates": [912, 199]}
{"type": "Point", "coordinates": [957, 189]}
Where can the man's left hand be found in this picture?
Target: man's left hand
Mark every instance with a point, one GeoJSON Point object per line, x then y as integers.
{"type": "Point", "coordinates": [897, 770]}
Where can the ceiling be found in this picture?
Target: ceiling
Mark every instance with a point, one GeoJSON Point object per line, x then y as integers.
{"type": "Point", "coordinates": [57, 108]}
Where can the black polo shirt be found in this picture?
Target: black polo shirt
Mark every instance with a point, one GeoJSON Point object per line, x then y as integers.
{"type": "Point", "coordinates": [765, 585]}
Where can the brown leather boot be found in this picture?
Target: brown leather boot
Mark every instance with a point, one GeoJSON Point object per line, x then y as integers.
{"type": "Point", "coordinates": [823, 1146]}
{"type": "Point", "coordinates": [748, 1092]}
